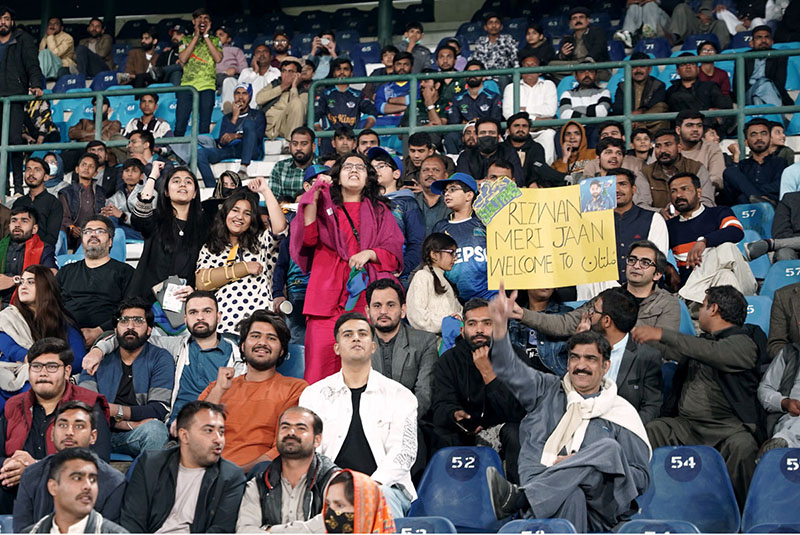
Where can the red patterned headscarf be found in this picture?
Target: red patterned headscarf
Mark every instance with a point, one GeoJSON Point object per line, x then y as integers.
{"type": "Point", "coordinates": [371, 513]}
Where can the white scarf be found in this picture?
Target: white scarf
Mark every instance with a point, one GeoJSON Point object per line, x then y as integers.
{"type": "Point", "coordinates": [570, 431]}
{"type": "Point", "coordinates": [13, 375]}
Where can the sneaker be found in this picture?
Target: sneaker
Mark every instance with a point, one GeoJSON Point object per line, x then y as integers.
{"type": "Point", "coordinates": [242, 174]}
{"type": "Point", "coordinates": [502, 494]}
{"type": "Point", "coordinates": [755, 249]}
{"type": "Point", "coordinates": [648, 31]}
{"type": "Point", "coordinates": [771, 444]}
{"type": "Point", "coordinates": [625, 37]}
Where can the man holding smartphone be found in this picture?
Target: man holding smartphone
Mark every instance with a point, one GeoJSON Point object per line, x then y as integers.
{"type": "Point", "coordinates": [468, 400]}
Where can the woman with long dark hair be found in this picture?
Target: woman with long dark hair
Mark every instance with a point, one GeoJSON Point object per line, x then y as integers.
{"type": "Point", "coordinates": [174, 228]}
{"type": "Point", "coordinates": [431, 297]}
{"type": "Point", "coordinates": [344, 225]}
{"type": "Point", "coordinates": [238, 259]}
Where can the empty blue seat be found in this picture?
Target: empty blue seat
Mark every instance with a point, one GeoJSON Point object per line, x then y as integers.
{"type": "Point", "coordinates": [516, 28]}
{"type": "Point", "coordinates": [132, 29]}
{"type": "Point", "coordinates": [601, 20]}
{"type": "Point", "coordinates": [424, 524]}
{"type": "Point", "coordinates": [794, 125]}
{"type": "Point", "coordinates": [772, 498]}
{"type": "Point", "coordinates": [69, 81]}
{"type": "Point", "coordinates": [347, 38]}
{"type": "Point", "coordinates": [760, 266]}
{"type": "Point", "coordinates": [687, 326]}
{"type": "Point", "coordinates": [658, 526]}
{"type": "Point", "coordinates": [690, 483]}
{"type": "Point", "coordinates": [741, 40]}
{"type": "Point", "coordinates": [454, 486]}
{"type": "Point", "coordinates": [295, 363]}
{"type": "Point", "coordinates": [668, 74]}
{"type": "Point", "coordinates": [369, 52]}
{"type": "Point", "coordinates": [616, 50]}
{"type": "Point", "coordinates": [301, 43]}
{"type": "Point", "coordinates": [657, 46]}
{"type": "Point", "coordinates": [782, 273]}
{"type": "Point", "coordinates": [470, 31]}
{"type": "Point", "coordinates": [419, 12]}
{"type": "Point", "coordinates": [554, 26]}
{"type": "Point", "coordinates": [104, 80]}
{"type": "Point", "coordinates": [792, 72]}
{"type": "Point", "coordinates": [758, 311]}
{"type": "Point", "coordinates": [538, 525]}
{"type": "Point", "coordinates": [693, 41]}
{"type": "Point", "coordinates": [756, 216]}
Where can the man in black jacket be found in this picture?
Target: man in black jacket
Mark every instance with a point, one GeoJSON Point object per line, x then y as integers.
{"type": "Point", "coordinates": [713, 400]}
{"type": "Point", "coordinates": [585, 41]}
{"type": "Point", "coordinates": [770, 87]}
{"type": "Point", "coordinates": [468, 397]}
{"type": "Point", "coordinates": [19, 75]}
{"type": "Point", "coordinates": [475, 162]}
{"type": "Point", "coordinates": [162, 493]}
{"type": "Point", "coordinates": [649, 94]}
{"type": "Point", "coordinates": [530, 153]}
{"type": "Point", "coordinates": [263, 504]}
{"type": "Point", "coordinates": [690, 93]}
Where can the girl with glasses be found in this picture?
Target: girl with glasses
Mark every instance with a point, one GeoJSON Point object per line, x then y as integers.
{"type": "Point", "coordinates": [431, 297]}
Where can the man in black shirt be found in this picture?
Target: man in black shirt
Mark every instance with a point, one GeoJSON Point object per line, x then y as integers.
{"type": "Point", "coordinates": [93, 287]}
{"type": "Point", "coordinates": [47, 206]}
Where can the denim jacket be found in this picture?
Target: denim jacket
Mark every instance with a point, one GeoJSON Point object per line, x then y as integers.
{"type": "Point", "coordinates": [552, 352]}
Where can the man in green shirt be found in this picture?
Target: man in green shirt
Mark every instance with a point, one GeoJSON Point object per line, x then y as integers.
{"type": "Point", "coordinates": [199, 54]}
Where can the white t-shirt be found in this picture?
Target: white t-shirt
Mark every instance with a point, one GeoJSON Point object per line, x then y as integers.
{"type": "Point", "coordinates": [186, 492]}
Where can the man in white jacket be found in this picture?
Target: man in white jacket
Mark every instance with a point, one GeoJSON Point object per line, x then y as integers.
{"type": "Point", "coordinates": [377, 437]}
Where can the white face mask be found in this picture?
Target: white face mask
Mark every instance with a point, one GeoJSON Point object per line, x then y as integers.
{"type": "Point", "coordinates": [53, 169]}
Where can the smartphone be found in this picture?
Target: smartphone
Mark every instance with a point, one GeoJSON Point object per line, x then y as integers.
{"type": "Point", "coordinates": [469, 425]}
{"type": "Point", "coordinates": [409, 183]}
{"type": "Point", "coordinates": [324, 41]}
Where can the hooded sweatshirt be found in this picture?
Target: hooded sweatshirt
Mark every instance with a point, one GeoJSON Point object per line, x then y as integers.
{"type": "Point", "coordinates": [578, 159]}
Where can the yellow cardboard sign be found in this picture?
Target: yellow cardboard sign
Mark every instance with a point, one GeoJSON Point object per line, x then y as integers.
{"type": "Point", "coordinates": [542, 239]}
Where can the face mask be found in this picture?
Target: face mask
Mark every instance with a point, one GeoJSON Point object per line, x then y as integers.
{"type": "Point", "coordinates": [227, 192]}
{"type": "Point", "coordinates": [338, 522]}
{"type": "Point", "coordinates": [53, 169]}
{"type": "Point", "coordinates": [487, 144]}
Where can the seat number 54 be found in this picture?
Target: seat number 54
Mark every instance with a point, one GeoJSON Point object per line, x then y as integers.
{"type": "Point", "coordinates": [678, 462]}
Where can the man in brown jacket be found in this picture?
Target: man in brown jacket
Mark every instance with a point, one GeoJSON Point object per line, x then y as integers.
{"type": "Point", "coordinates": [784, 320]}
{"type": "Point", "coordinates": [84, 130]}
{"type": "Point", "coordinates": [141, 61]}
{"type": "Point", "coordinates": [93, 53]}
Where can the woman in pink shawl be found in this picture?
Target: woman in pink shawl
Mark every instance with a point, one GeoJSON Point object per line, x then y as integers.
{"type": "Point", "coordinates": [342, 224]}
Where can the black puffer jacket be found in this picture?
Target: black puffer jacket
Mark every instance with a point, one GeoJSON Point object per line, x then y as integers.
{"type": "Point", "coordinates": [19, 69]}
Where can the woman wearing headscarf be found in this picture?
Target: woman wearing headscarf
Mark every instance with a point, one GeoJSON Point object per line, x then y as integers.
{"type": "Point", "coordinates": [354, 504]}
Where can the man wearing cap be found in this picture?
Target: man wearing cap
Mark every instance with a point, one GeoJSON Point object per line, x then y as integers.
{"type": "Point", "coordinates": [585, 41]}
{"type": "Point", "coordinates": [284, 100]}
{"type": "Point", "coordinates": [169, 65]}
{"type": "Point", "coordinates": [469, 272]}
{"type": "Point", "coordinates": [240, 136]}
{"type": "Point", "coordinates": [765, 78]}
{"type": "Point", "coordinates": [389, 169]}
{"type": "Point", "coordinates": [586, 100]}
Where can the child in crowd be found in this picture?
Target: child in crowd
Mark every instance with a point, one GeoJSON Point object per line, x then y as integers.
{"type": "Point", "coordinates": [431, 297]}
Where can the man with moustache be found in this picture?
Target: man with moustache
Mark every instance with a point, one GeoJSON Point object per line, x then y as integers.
{"type": "Point", "coordinates": [264, 343]}
{"type": "Point", "coordinates": [259, 76]}
{"type": "Point", "coordinates": [188, 488]}
{"type": "Point", "coordinates": [47, 206]}
{"type": "Point", "coordinates": [288, 495]}
{"type": "Point", "coordinates": [73, 484]}
{"type": "Point", "coordinates": [467, 397]}
{"type": "Point", "coordinates": [758, 177]}
{"type": "Point", "coordinates": [286, 179]}
{"type": "Point", "coordinates": [532, 155]}
{"type": "Point", "coordinates": [586, 455]}
{"type": "Point", "coordinates": [648, 95]}
{"type": "Point", "coordinates": [586, 100]}
{"type": "Point", "coordinates": [93, 287]}
{"type": "Point", "coordinates": [140, 67]}
{"type": "Point", "coordinates": [75, 427]}
{"type": "Point", "coordinates": [21, 248]}
{"type": "Point", "coordinates": [280, 49]}
{"type": "Point", "coordinates": [433, 168]}
{"type": "Point", "coordinates": [169, 66]}
{"type": "Point", "coordinates": [28, 418]}
{"type": "Point", "coordinates": [138, 377]}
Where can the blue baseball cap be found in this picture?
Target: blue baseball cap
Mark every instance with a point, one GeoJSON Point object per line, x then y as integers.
{"type": "Point", "coordinates": [313, 170]}
{"type": "Point", "coordinates": [356, 284]}
{"type": "Point", "coordinates": [374, 152]}
{"type": "Point", "coordinates": [438, 186]}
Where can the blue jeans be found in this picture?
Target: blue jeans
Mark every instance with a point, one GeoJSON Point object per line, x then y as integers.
{"type": "Point", "coordinates": [397, 501]}
{"type": "Point", "coordinates": [184, 110]}
{"type": "Point", "coordinates": [152, 435]}
{"type": "Point", "coordinates": [245, 148]}
{"type": "Point", "coordinates": [297, 320]}
{"type": "Point", "coordinates": [173, 74]}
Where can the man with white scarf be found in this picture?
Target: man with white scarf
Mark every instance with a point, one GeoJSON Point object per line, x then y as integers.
{"type": "Point", "coordinates": [585, 454]}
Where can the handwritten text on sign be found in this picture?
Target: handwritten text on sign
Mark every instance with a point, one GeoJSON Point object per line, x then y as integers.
{"type": "Point", "coordinates": [543, 240]}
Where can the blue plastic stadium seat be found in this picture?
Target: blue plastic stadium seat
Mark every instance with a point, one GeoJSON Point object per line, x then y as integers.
{"type": "Point", "coordinates": [424, 524]}
{"type": "Point", "coordinates": [554, 26]}
{"type": "Point", "coordinates": [601, 19]}
{"type": "Point", "coordinates": [782, 273]}
{"type": "Point", "coordinates": [760, 266]}
{"type": "Point", "coordinates": [454, 486]}
{"type": "Point", "coordinates": [539, 525]}
{"type": "Point", "coordinates": [792, 73]}
{"type": "Point", "coordinates": [657, 46]}
{"type": "Point", "coordinates": [668, 74]}
{"type": "Point", "coordinates": [574, 304]}
{"type": "Point", "coordinates": [132, 29]}
{"type": "Point", "coordinates": [566, 84]}
{"type": "Point", "coordinates": [758, 311]}
{"type": "Point", "coordinates": [616, 79]}
{"type": "Point", "coordinates": [772, 498]}
{"type": "Point", "coordinates": [369, 52]}
{"type": "Point", "coordinates": [295, 363]}
{"type": "Point", "coordinates": [69, 81]}
{"type": "Point", "coordinates": [419, 12]}
{"type": "Point", "coordinates": [658, 526]}
{"type": "Point", "coordinates": [740, 40]}
{"type": "Point", "coordinates": [756, 216]}
{"type": "Point", "coordinates": [774, 528]}
{"type": "Point", "coordinates": [794, 125]}
{"type": "Point", "coordinates": [516, 28]}
{"type": "Point", "coordinates": [693, 41]}
{"type": "Point", "coordinates": [616, 50]}
{"type": "Point", "coordinates": [687, 327]}
{"type": "Point", "coordinates": [104, 80]}
{"type": "Point", "coordinates": [348, 38]}
{"type": "Point", "coordinates": [775, 117]}
{"type": "Point", "coordinates": [470, 31]}
{"type": "Point", "coordinates": [301, 43]}
{"type": "Point", "coordinates": [121, 457]}
{"type": "Point", "coordinates": [690, 483]}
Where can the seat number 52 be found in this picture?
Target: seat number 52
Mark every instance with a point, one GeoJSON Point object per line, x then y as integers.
{"type": "Point", "coordinates": [678, 462]}
{"type": "Point", "coordinates": [792, 464]}
{"type": "Point", "coordinates": [462, 462]}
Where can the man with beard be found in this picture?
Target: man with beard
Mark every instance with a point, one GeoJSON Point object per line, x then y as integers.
{"type": "Point", "coordinates": [288, 495]}
{"type": "Point", "coordinates": [365, 140]}
{"type": "Point", "coordinates": [475, 161]}
{"type": "Point", "coordinates": [757, 178]}
{"type": "Point", "coordinates": [47, 207]}
{"type": "Point", "coordinates": [648, 95]}
{"type": "Point", "coordinates": [478, 101]}
{"type": "Point", "coordinates": [286, 179]}
{"type": "Point", "coordinates": [264, 343]}
{"type": "Point", "coordinates": [690, 93]}
{"type": "Point", "coordinates": [611, 155]}
{"type": "Point", "coordinates": [199, 351]}
{"type": "Point", "coordinates": [169, 65]}
{"type": "Point", "coordinates": [93, 287]}
{"type": "Point", "coordinates": [531, 154]}
{"type": "Point", "coordinates": [703, 240]}
{"type": "Point", "coordinates": [142, 147]}
{"type": "Point", "coordinates": [585, 455]}
{"type": "Point", "coordinates": [371, 420]}
{"type": "Point", "coordinates": [140, 66]}
{"type": "Point", "coordinates": [73, 482]}
{"type": "Point", "coordinates": [392, 98]}
{"type": "Point", "coordinates": [22, 76]}
{"type": "Point", "coordinates": [189, 487]}
{"type": "Point", "coordinates": [586, 100]}
{"type": "Point", "coordinates": [259, 76]}
{"type": "Point", "coordinates": [670, 162]}
{"type": "Point", "coordinates": [280, 49]}
{"type": "Point", "coordinates": [81, 200]}
{"type": "Point", "coordinates": [446, 61]}
{"type": "Point", "coordinates": [75, 427]}
{"type": "Point", "coordinates": [93, 53]}
{"type": "Point", "coordinates": [689, 125]}
{"type": "Point", "coordinates": [342, 105]}
{"type": "Point", "coordinates": [28, 418]}
{"type": "Point", "coordinates": [765, 78]}
{"type": "Point", "coordinates": [404, 354]}
{"type": "Point", "coordinates": [433, 168]}
{"type": "Point", "coordinates": [21, 248]}
{"type": "Point", "coordinates": [467, 397]}
{"type": "Point", "coordinates": [138, 377]}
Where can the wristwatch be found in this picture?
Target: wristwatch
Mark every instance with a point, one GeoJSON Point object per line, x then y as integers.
{"type": "Point", "coordinates": [701, 238]}
{"type": "Point", "coordinates": [120, 415]}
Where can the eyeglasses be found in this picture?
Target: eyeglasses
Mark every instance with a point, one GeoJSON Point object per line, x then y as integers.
{"type": "Point", "coordinates": [448, 251]}
{"type": "Point", "coordinates": [51, 367]}
{"type": "Point", "coordinates": [380, 166]}
{"type": "Point", "coordinates": [592, 311]}
{"type": "Point", "coordinates": [644, 262]}
{"type": "Point", "coordinates": [137, 320]}
{"type": "Point", "coordinates": [452, 189]}
{"type": "Point", "coordinates": [352, 166]}
{"type": "Point", "coordinates": [98, 231]}
{"type": "Point", "coordinates": [280, 41]}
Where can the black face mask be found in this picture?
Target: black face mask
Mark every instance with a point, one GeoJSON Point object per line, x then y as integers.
{"type": "Point", "coordinates": [227, 192]}
{"type": "Point", "coordinates": [338, 522]}
{"type": "Point", "coordinates": [487, 144]}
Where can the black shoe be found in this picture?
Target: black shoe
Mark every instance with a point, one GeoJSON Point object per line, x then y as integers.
{"type": "Point", "coordinates": [502, 493]}
{"type": "Point", "coordinates": [771, 444]}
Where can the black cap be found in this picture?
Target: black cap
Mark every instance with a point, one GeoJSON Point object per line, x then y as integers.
{"type": "Point", "coordinates": [178, 28]}
{"type": "Point", "coordinates": [580, 9]}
